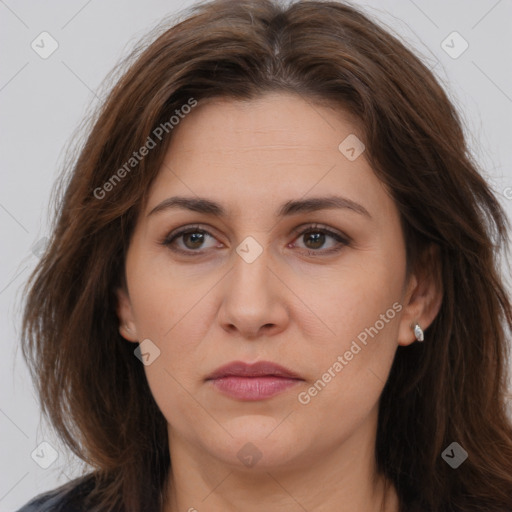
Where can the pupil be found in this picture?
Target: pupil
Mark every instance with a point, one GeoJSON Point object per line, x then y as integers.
{"type": "Point", "coordinates": [318, 239]}
{"type": "Point", "coordinates": [197, 238]}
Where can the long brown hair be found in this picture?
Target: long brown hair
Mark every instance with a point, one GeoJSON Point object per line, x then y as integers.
{"type": "Point", "coordinates": [451, 388]}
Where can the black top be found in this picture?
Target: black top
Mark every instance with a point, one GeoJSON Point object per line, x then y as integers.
{"type": "Point", "coordinates": [66, 498]}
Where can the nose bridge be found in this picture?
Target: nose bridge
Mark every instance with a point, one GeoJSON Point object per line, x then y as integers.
{"type": "Point", "coordinates": [251, 265]}
{"type": "Point", "coordinates": [251, 298]}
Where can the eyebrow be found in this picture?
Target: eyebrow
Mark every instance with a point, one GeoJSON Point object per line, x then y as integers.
{"type": "Point", "coordinates": [209, 207]}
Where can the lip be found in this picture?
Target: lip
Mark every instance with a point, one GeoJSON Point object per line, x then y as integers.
{"type": "Point", "coordinates": [259, 369]}
{"type": "Point", "coordinates": [251, 382]}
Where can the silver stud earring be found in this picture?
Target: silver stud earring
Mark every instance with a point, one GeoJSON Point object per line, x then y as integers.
{"type": "Point", "coordinates": [418, 332]}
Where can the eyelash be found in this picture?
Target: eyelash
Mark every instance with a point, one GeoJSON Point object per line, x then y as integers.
{"type": "Point", "coordinates": [314, 228]}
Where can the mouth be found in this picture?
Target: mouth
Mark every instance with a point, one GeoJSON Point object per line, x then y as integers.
{"type": "Point", "coordinates": [251, 382]}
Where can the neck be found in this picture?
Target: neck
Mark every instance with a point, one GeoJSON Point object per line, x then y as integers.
{"type": "Point", "coordinates": [343, 479]}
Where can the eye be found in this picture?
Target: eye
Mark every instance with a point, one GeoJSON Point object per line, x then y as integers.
{"type": "Point", "coordinates": [191, 237]}
{"type": "Point", "coordinates": [314, 236]}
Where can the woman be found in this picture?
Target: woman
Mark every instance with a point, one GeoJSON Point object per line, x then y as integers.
{"type": "Point", "coordinates": [273, 281]}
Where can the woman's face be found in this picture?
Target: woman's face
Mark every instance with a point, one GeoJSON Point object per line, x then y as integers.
{"type": "Point", "coordinates": [267, 281]}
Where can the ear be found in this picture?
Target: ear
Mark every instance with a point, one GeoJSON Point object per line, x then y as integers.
{"type": "Point", "coordinates": [423, 295]}
{"type": "Point", "coordinates": [127, 327]}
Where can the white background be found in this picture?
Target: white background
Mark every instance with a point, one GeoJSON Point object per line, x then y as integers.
{"type": "Point", "coordinates": [43, 100]}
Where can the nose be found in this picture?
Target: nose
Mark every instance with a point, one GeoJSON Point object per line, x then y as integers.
{"type": "Point", "coordinates": [254, 298]}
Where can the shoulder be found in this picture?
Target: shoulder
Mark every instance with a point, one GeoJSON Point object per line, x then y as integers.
{"type": "Point", "coordinates": [66, 498]}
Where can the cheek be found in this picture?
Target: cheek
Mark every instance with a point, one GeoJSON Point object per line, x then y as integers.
{"type": "Point", "coordinates": [362, 309]}
{"type": "Point", "coordinates": [355, 295]}
{"type": "Point", "coordinates": [164, 295]}
{"type": "Point", "coordinates": [351, 372]}
{"type": "Point", "coordinates": [166, 308]}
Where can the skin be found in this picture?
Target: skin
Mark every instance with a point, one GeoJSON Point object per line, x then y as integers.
{"type": "Point", "coordinates": [297, 309]}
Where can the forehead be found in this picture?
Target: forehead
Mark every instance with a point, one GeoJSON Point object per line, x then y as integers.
{"type": "Point", "coordinates": [272, 121]}
{"type": "Point", "coordinates": [252, 152]}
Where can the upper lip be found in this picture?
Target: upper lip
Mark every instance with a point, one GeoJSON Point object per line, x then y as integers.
{"type": "Point", "coordinates": [259, 369]}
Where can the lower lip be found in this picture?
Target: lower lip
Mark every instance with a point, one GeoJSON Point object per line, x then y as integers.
{"type": "Point", "coordinates": [253, 388]}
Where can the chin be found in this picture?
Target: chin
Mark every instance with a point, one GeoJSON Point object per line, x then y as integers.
{"type": "Point", "coordinates": [257, 444]}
